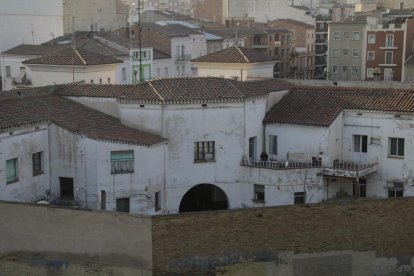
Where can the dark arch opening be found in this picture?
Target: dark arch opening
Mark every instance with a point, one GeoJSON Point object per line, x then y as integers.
{"type": "Point", "coordinates": [204, 197]}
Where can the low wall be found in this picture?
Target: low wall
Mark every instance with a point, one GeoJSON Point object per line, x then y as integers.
{"type": "Point", "coordinates": [45, 233]}
{"type": "Point", "coordinates": [199, 243]}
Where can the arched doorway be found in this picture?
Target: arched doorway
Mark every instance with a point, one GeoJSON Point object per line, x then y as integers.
{"type": "Point", "coordinates": [204, 197]}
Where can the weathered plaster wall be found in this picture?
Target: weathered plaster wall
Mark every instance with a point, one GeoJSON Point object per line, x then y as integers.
{"type": "Point", "coordinates": [21, 144]}
{"type": "Point", "coordinates": [88, 162]}
{"type": "Point", "coordinates": [49, 75]}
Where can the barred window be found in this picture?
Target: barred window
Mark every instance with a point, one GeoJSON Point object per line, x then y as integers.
{"type": "Point", "coordinates": [122, 161]}
{"type": "Point", "coordinates": [204, 151]}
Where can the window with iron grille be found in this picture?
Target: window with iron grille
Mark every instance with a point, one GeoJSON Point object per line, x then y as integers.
{"type": "Point", "coordinates": [204, 151]}
{"type": "Point", "coordinates": [122, 161]}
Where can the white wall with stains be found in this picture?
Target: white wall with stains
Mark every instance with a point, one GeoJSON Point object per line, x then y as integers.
{"type": "Point", "coordinates": [21, 144]}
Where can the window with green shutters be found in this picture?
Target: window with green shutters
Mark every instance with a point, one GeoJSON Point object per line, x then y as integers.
{"type": "Point", "coordinates": [122, 161]}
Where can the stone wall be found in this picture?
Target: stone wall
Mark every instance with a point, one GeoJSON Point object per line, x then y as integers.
{"type": "Point", "coordinates": [199, 243]}
{"type": "Point", "coordinates": [51, 236]}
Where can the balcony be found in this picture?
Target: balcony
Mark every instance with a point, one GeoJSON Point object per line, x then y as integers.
{"type": "Point", "coordinates": [350, 169]}
{"type": "Point", "coordinates": [259, 45]}
{"type": "Point", "coordinates": [279, 165]}
{"type": "Point", "coordinates": [320, 42]}
{"type": "Point", "coordinates": [182, 58]}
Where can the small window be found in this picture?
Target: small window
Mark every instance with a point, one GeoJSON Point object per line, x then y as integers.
{"type": "Point", "coordinates": [259, 193]}
{"type": "Point", "coordinates": [345, 51]}
{"type": "Point", "coordinates": [360, 143]}
{"type": "Point", "coordinates": [336, 35]}
{"type": "Point", "coordinates": [396, 147]}
{"type": "Point", "coordinates": [355, 36]}
{"type": "Point", "coordinates": [355, 70]}
{"type": "Point", "coordinates": [123, 73]}
{"type": "Point", "coordinates": [299, 198]}
{"type": "Point", "coordinates": [355, 52]}
{"type": "Point", "coordinates": [273, 144]}
{"type": "Point", "coordinates": [370, 72]}
{"type": "Point", "coordinates": [346, 35]}
{"type": "Point", "coordinates": [388, 57]}
{"type": "Point", "coordinates": [91, 81]}
{"type": "Point", "coordinates": [334, 69]}
{"type": "Point", "coordinates": [37, 163]}
{"type": "Point", "coordinates": [165, 71]}
{"type": "Point", "coordinates": [335, 52]}
{"type": "Point", "coordinates": [204, 151]}
{"type": "Point", "coordinates": [390, 40]}
{"type": "Point", "coordinates": [157, 201]}
{"type": "Point", "coordinates": [12, 170]}
{"type": "Point", "coordinates": [8, 71]}
{"type": "Point", "coordinates": [109, 80]}
{"type": "Point", "coordinates": [360, 191]}
{"type": "Point", "coordinates": [122, 205]}
{"type": "Point", "coordinates": [397, 190]}
{"type": "Point", "coordinates": [122, 161]}
{"type": "Point", "coordinates": [100, 81]}
{"type": "Point", "coordinates": [344, 69]}
{"type": "Point", "coordinates": [371, 55]}
{"type": "Point", "coordinates": [371, 39]}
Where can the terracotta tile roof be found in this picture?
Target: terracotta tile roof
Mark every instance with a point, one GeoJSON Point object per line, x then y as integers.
{"type": "Point", "coordinates": [321, 105]}
{"type": "Point", "coordinates": [261, 87]}
{"type": "Point", "coordinates": [73, 56]}
{"type": "Point", "coordinates": [235, 54]}
{"type": "Point", "coordinates": [166, 90]}
{"type": "Point", "coordinates": [29, 49]}
{"type": "Point", "coordinates": [27, 109]}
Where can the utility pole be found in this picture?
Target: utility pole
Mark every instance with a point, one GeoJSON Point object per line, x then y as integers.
{"type": "Point", "coordinates": [139, 42]}
{"type": "Point", "coordinates": [73, 49]}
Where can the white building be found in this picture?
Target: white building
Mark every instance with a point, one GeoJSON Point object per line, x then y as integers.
{"type": "Point", "coordinates": [320, 144]}
{"type": "Point", "coordinates": [55, 148]}
{"type": "Point", "coordinates": [72, 65]}
{"type": "Point", "coordinates": [34, 22]}
{"type": "Point", "coordinates": [235, 62]}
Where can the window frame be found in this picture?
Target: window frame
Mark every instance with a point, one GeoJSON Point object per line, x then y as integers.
{"type": "Point", "coordinates": [396, 154]}
{"type": "Point", "coordinates": [371, 57]}
{"type": "Point", "coordinates": [355, 52]}
{"type": "Point", "coordinates": [372, 41]}
{"type": "Point", "coordinates": [358, 144]}
{"type": "Point", "coordinates": [37, 163]}
{"type": "Point", "coordinates": [334, 69]}
{"type": "Point", "coordinates": [15, 178]}
{"type": "Point", "coordinates": [127, 162]}
{"type": "Point", "coordinates": [273, 144]}
{"type": "Point", "coordinates": [336, 35]}
{"type": "Point", "coordinates": [335, 52]}
{"type": "Point", "coordinates": [397, 189]}
{"type": "Point", "coordinates": [387, 44]}
{"type": "Point", "coordinates": [370, 72]}
{"type": "Point", "coordinates": [201, 156]}
{"type": "Point", "coordinates": [345, 52]}
{"type": "Point", "coordinates": [356, 35]}
{"type": "Point", "coordinates": [392, 57]}
{"type": "Point", "coordinates": [8, 71]}
{"type": "Point", "coordinates": [354, 72]}
{"type": "Point", "coordinates": [259, 193]}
